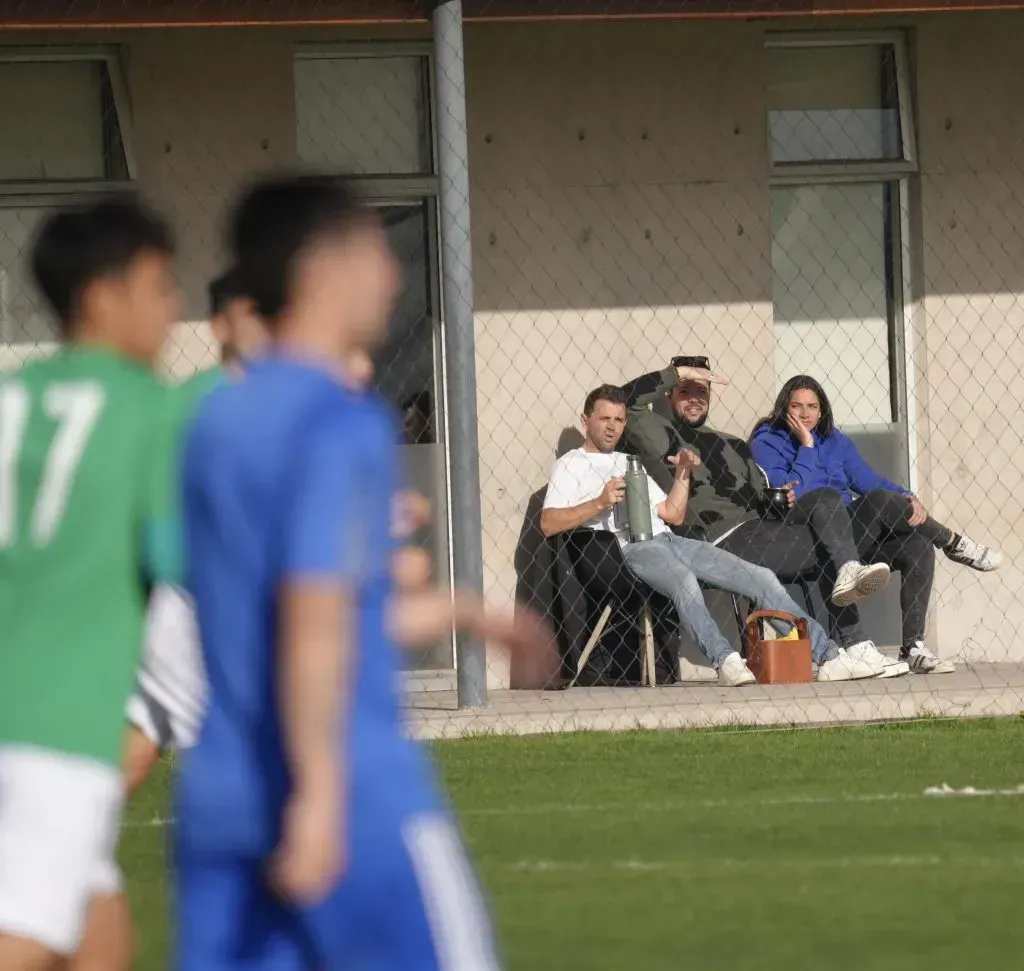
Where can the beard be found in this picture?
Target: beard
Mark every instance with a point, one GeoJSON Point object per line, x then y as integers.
{"type": "Point", "coordinates": [694, 423]}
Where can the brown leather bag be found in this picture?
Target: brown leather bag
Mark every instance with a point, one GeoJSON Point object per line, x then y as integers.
{"type": "Point", "coordinates": [778, 662]}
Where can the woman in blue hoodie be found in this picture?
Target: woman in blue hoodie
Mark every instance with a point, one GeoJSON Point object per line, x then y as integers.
{"type": "Point", "coordinates": [857, 514]}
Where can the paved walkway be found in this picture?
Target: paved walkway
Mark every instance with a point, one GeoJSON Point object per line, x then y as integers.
{"type": "Point", "coordinates": [972, 692]}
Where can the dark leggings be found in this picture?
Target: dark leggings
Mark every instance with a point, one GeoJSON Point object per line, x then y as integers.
{"type": "Point", "coordinates": [875, 529]}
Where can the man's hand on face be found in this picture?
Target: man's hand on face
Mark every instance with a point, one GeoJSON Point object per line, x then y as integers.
{"type": "Point", "coordinates": [614, 492]}
{"type": "Point", "coordinates": [685, 461]}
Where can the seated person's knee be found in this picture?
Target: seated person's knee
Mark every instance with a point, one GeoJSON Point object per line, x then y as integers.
{"type": "Point", "coordinates": [767, 578]}
{"type": "Point", "coordinates": [886, 497]}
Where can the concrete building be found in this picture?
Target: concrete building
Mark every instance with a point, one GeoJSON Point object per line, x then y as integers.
{"type": "Point", "coordinates": [831, 194]}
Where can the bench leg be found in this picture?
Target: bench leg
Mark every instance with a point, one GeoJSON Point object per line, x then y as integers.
{"type": "Point", "coordinates": [739, 623]}
{"type": "Point", "coordinates": [648, 674]}
{"type": "Point", "coordinates": [592, 641]}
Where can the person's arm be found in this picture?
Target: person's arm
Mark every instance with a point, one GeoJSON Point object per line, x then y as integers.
{"type": "Point", "coordinates": [140, 755]}
{"type": "Point", "coordinates": [555, 520]}
{"type": "Point", "coordinates": [422, 618]}
{"type": "Point", "coordinates": [651, 438]}
{"type": "Point", "coordinates": [773, 452]}
{"type": "Point", "coordinates": [863, 479]}
{"type": "Point", "coordinates": [644, 390]}
{"type": "Point", "coordinates": [649, 435]}
{"type": "Point", "coordinates": [672, 509]}
{"type": "Point", "coordinates": [563, 512]}
{"type": "Point", "coordinates": [324, 554]}
{"type": "Point", "coordinates": [162, 549]}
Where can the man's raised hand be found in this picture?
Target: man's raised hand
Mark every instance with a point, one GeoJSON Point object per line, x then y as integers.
{"type": "Point", "coordinates": [687, 373]}
{"type": "Point", "coordinates": [685, 461]}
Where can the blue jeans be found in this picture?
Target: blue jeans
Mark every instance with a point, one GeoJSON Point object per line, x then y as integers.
{"type": "Point", "coordinates": [673, 566]}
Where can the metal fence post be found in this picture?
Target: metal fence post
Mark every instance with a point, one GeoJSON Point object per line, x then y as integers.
{"type": "Point", "coordinates": [460, 350]}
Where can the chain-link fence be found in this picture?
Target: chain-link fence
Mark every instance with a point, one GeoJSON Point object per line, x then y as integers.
{"type": "Point", "coordinates": [580, 203]}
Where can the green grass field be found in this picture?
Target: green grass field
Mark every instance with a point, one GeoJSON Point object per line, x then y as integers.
{"type": "Point", "coordinates": [739, 850]}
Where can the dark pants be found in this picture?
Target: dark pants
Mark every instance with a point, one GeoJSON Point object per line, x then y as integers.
{"type": "Point", "coordinates": [875, 528]}
{"type": "Point", "coordinates": [792, 552]}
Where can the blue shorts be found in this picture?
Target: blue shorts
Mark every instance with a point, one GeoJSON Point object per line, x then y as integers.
{"type": "Point", "coordinates": [408, 902]}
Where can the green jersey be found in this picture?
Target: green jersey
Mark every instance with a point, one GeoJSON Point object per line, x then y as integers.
{"type": "Point", "coordinates": [187, 396]}
{"type": "Point", "coordinates": [88, 457]}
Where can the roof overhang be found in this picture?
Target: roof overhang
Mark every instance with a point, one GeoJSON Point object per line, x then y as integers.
{"type": "Point", "coordinates": [65, 14]}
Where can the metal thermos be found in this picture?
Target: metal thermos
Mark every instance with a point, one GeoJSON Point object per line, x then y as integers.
{"type": "Point", "coordinates": [638, 501]}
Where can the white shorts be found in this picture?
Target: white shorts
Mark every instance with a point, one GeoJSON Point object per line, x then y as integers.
{"type": "Point", "coordinates": [59, 820]}
{"type": "Point", "coordinates": [170, 696]}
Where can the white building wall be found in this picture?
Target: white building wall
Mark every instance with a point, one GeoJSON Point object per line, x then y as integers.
{"type": "Point", "coordinates": [970, 351]}
{"type": "Point", "coordinates": [620, 217]}
{"type": "Point", "coordinates": [621, 214]}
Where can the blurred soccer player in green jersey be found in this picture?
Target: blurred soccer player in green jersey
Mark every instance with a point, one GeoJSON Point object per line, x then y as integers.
{"type": "Point", "coordinates": [165, 709]}
{"type": "Point", "coordinates": [86, 509]}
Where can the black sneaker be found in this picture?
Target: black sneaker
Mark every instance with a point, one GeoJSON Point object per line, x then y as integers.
{"type": "Point", "coordinates": [968, 553]}
{"type": "Point", "coordinates": [922, 661]}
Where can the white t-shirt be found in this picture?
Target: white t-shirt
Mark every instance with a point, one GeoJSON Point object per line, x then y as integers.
{"type": "Point", "coordinates": [579, 476]}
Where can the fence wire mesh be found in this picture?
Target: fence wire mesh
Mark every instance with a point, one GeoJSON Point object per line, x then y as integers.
{"type": "Point", "coordinates": [841, 202]}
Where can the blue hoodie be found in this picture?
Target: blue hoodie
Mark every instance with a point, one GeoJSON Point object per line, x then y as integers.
{"type": "Point", "coordinates": [833, 463]}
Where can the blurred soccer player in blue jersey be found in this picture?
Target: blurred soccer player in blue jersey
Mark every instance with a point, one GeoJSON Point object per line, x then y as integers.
{"type": "Point", "coordinates": [311, 834]}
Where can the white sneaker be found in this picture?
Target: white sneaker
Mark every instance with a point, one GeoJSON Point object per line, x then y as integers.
{"type": "Point", "coordinates": [858, 580]}
{"type": "Point", "coordinates": [847, 668]}
{"type": "Point", "coordinates": [734, 673]}
{"type": "Point", "coordinates": [691, 673]}
{"type": "Point", "coordinates": [866, 651]}
{"type": "Point", "coordinates": [968, 553]}
{"type": "Point", "coordinates": [922, 661]}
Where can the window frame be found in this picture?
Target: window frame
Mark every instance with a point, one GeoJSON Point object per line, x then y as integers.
{"type": "Point", "coordinates": [852, 169]}
{"type": "Point", "coordinates": [58, 190]}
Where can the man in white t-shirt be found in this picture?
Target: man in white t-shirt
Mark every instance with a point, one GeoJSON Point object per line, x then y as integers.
{"type": "Point", "coordinates": [585, 486]}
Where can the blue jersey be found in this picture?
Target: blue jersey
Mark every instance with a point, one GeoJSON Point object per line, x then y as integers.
{"type": "Point", "coordinates": [289, 475]}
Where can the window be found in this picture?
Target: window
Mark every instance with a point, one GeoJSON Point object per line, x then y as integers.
{"type": "Point", "coordinates": [832, 293]}
{"type": "Point", "coordinates": [833, 104]}
{"type": "Point", "coordinates": [64, 118]}
{"type": "Point", "coordinates": [842, 146]}
{"type": "Point", "coordinates": [405, 365]}
{"type": "Point", "coordinates": [66, 135]}
{"type": "Point", "coordinates": [367, 115]}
